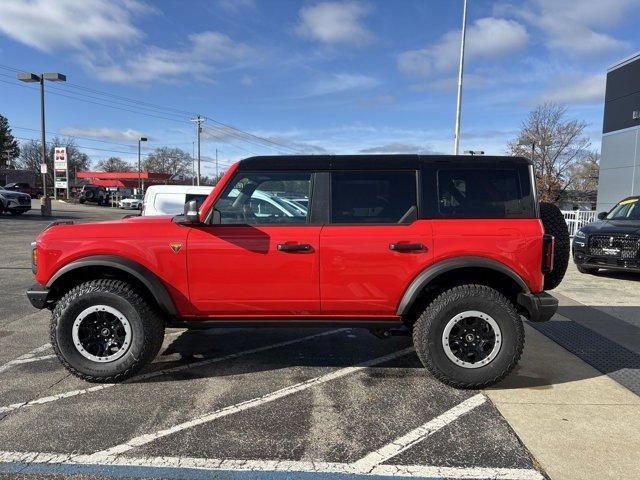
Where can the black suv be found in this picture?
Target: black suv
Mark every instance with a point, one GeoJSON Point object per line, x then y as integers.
{"type": "Point", "coordinates": [95, 194]}
{"type": "Point", "coordinates": [613, 242]}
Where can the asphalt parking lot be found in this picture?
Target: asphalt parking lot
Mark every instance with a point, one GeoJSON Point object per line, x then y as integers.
{"type": "Point", "coordinates": [236, 403]}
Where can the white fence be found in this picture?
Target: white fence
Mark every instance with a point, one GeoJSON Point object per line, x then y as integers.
{"type": "Point", "coordinates": [577, 218]}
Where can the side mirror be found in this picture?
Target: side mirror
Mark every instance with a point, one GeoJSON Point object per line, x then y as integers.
{"type": "Point", "coordinates": [216, 218]}
{"type": "Point", "coordinates": [602, 215]}
{"type": "Point", "coordinates": [191, 216]}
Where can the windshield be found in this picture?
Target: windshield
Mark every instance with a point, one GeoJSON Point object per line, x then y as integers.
{"type": "Point", "coordinates": [625, 210]}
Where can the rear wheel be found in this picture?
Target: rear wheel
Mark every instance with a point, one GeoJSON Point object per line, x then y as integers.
{"type": "Point", "coordinates": [470, 336]}
{"type": "Point", "coordinates": [554, 224]}
{"type": "Point", "coordinates": [105, 331]}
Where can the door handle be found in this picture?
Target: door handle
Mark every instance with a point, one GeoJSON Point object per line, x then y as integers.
{"type": "Point", "coordinates": [294, 247]}
{"type": "Point", "coordinates": [406, 247]}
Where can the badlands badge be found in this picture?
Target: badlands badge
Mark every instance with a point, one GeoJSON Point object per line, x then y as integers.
{"type": "Point", "coordinates": [175, 246]}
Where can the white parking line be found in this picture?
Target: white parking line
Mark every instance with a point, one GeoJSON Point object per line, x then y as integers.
{"type": "Point", "coordinates": [180, 368]}
{"type": "Point", "coordinates": [212, 465]}
{"type": "Point", "coordinates": [247, 404]}
{"type": "Point", "coordinates": [28, 357]}
{"type": "Point", "coordinates": [417, 435]}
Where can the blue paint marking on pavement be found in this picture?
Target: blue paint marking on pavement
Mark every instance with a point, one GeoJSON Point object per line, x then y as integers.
{"type": "Point", "coordinates": [127, 471]}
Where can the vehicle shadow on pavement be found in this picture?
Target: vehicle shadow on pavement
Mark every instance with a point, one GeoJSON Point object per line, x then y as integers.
{"type": "Point", "coordinates": [619, 275]}
{"type": "Point", "coordinates": [39, 218]}
{"type": "Point", "coordinates": [613, 351]}
{"type": "Point", "coordinates": [194, 346]}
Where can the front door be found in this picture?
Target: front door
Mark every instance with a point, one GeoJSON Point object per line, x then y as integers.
{"type": "Point", "coordinates": [374, 244]}
{"type": "Point", "coordinates": [262, 260]}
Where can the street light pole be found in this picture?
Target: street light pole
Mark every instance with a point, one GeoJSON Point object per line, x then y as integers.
{"type": "Point", "coordinates": [141, 139]}
{"type": "Point", "coordinates": [32, 78]}
{"type": "Point", "coordinates": [43, 146]}
{"type": "Point", "coordinates": [456, 140]}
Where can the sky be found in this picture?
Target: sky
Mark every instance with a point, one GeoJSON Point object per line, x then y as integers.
{"type": "Point", "coordinates": [353, 76]}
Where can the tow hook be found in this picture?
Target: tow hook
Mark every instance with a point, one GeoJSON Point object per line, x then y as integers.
{"type": "Point", "coordinates": [390, 332]}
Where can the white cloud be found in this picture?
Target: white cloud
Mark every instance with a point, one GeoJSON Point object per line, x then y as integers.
{"type": "Point", "coordinates": [377, 100]}
{"type": "Point", "coordinates": [588, 89]}
{"type": "Point", "coordinates": [102, 37]}
{"type": "Point", "coordinates": [102, 132]}
{"type": "Point", "coordinates": [487, 38]}
{"type": "Point", "coordinates": [49, 25]}
{"type": "Point", "coordinates": [397, 147]}
{"type": "Point", "coordinates": [234, 6]}
{"type": "Point", "coordinates": [340, 82]}
{"type": "Point", "coordinates": [197, 59]}
{"type": "Point", "coordinates": [247, 80]}
{"type": "Point", "coordinates": [335, 23]}
{"type": "Point", "coordinates": [571, 27]}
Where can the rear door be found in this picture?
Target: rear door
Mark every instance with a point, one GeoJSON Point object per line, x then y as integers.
{"type": "Point", "coordinates": [374, 243]}
{"type": "Point", "coordinates": [262, 260]}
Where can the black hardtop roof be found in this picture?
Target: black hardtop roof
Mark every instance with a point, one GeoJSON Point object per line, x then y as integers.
{"type": "Point", "coordinates": [367, 162]}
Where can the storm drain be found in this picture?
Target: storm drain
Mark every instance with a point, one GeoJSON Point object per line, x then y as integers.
{"type": "Point", "coordinates": [610, 358]}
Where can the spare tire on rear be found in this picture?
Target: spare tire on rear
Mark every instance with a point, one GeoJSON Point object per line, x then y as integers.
{"type": "Point", "coordinates": [554, 224]}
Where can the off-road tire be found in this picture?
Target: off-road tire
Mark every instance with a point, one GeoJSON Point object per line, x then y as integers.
{"type": "Point", "coordinates": [587, 270]}
{"type": "Point", "coordinates": [554, 224]}
{"type": "Point", "coordinates": [146, 323]}
{"type": "Point", "coordinates": [428, 330]}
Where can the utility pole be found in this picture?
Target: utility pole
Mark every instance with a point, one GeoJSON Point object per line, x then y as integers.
{"type": "Point", "coordinates": [216, 164]}
{"type": "Point", "coordinates": [456, 140]}
{"type": "Point", "coordinates": [198, 120]}
{"type": "Point", "coordinates": [193, 163]}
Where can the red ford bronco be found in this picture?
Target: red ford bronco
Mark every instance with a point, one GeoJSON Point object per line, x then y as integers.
{"type": "Point", "coordinates": [453, 250]}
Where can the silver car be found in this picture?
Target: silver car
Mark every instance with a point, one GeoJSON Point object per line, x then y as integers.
{"type": "Point", "coordinates": [16, 203]}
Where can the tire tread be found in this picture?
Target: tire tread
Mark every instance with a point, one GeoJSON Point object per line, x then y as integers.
{"type": "Point", "coordinates": [148, 315]}
{"type": "Point", "coordinates": [429, 317]}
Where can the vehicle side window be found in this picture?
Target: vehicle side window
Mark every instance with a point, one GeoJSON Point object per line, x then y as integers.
{"type": "Point", "coordinates": [259, 198]}
{"type": "Point", "coordinates": [371, 197]}
{"type": "Point", "coordinates": [479, 193]}
{"type": "Point", "coordinates": [169, 203]}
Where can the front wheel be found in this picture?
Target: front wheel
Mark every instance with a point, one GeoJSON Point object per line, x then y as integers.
{"type": "Point", "coordinates": [105, 331]}
{"type": "Point", "coordinates": [470, 336]}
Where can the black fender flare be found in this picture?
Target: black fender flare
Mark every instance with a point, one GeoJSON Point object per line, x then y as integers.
{"type": "Point", "coordinates": [443, 266]}
{"type": "Point", "coordinates": [145, 276]}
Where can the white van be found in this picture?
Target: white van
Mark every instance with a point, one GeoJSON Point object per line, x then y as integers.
{"type": "Point", "coordinates": [170, 199]}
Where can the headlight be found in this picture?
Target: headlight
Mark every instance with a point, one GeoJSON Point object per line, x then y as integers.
{"type": "Point", "coordinates": [580, 234]}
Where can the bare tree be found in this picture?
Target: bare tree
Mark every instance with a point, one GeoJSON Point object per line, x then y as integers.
{"type": "Point", "coordinates": [168, 160]}
{"type": "Point", "coordinates": [30, 157]}
{"type": "Point", "coordinates": [113, 164]}
{"type": "Point", "coordinates": [584, 173]}
{"type": "Point", "coordinates": [555, 144]}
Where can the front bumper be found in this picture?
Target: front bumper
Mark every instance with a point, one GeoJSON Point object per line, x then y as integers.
{"type": "Point", "coordinates": [581, 258]}
{"type": "Point", "coordinates": [38, 295]}
{"type": "Point", "coordinates": [14, 205]}
{"type": "Point", "coordinates": [539, 306]}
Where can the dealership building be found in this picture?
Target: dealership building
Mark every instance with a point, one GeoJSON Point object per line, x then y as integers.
{"type": "Point", "coordinates": [620, 158]}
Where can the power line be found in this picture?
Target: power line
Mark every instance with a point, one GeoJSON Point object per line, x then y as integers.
{"type": "Point", "coordinates": [166, 110]}
{"type": "Point", "coordinates": [77, 136]}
